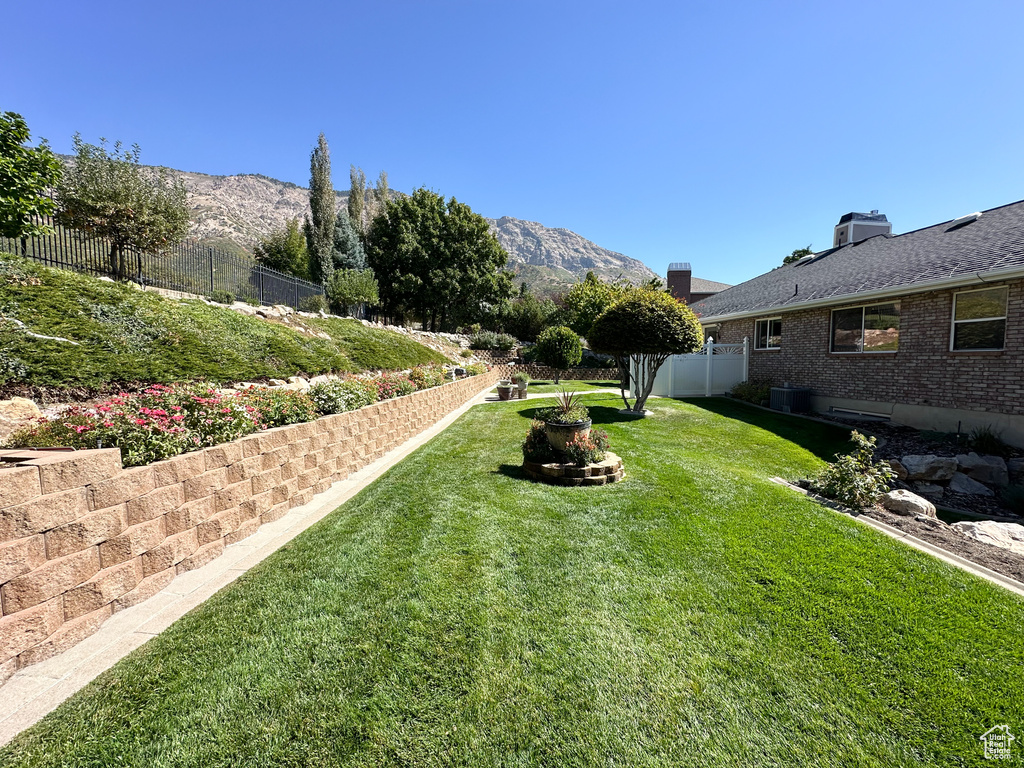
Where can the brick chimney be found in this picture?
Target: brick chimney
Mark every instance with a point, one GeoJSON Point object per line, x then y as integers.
{"type": "Point", "coordinates": [679, 275]}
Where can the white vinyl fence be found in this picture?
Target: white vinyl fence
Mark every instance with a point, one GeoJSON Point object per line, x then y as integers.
{"type": "Point", "coordinates": [714, 370]}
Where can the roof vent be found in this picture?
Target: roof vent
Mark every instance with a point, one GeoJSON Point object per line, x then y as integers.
{"type": "Point", "coordinates": [963, 221]}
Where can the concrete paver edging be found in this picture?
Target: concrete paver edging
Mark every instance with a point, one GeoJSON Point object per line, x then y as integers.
{"type": "Point", "coordinates": [35, 691]}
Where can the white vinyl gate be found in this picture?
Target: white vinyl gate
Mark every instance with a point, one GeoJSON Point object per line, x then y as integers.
{"type": "Point", "coordinates": [714, 370]}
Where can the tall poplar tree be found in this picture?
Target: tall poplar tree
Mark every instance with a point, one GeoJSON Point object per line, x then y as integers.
{"type": "Point", "coordinates": [356, 198]}
{"type": "Point", "coordinates": [320, 226]}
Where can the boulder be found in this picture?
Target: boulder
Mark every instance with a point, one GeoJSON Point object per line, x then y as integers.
{"type": "Point", "coordinates": [929, 467]}
{"type": "Point", "coordinates": [297, 382]}
{"type": "Point", "coordinates": [898, 468]}
{"type": "Point", "coordinates": [1015, 468]}
{"type": "Point", "coordinates": [18, 409]}
{"type": "Point", "coordinates": [929, 489]}
{"type": "Point", "coordinates": [1004, 535]}
{"type": "Point", "coordinates": [906, 503]}
{"type": "Point", "coordinates": [991, 470]}
{"type": "Point", "coordinates": [961, 483]}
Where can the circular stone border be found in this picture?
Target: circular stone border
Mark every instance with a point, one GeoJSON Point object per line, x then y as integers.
{"type": "Point", "coordinates": [600, 473]}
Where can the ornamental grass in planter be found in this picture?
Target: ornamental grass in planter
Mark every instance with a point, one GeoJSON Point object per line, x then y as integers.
{"type": "Point", "coordinates": [522, 381]}
{"type": "Point", "coordinates": [564, 421]}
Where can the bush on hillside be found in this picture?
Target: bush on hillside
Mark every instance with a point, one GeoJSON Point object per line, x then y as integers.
{"type": "Point", "coordinates": [427, 376]}
{"type": "Point", "coordinates": [314, 304]}
{"type": "Point", "coordinates": [487, 340]}
{"type": "Point", "coordinates": [340, 395]}
{"type": "Point", "coordinates": [391, 385]}
{"type": "Point", "coordinates": [222, 297]}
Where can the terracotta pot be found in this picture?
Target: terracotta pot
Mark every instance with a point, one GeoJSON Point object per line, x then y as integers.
{"type": "Point", "coordinates": [560, 435]}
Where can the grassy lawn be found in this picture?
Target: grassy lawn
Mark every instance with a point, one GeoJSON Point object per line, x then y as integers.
{"type": "Point", "coordinates": [541, 386]}
{"type": "Point", "coordinates": [126, 335]}
{"type": "Point", "coordinates": [455, 614]}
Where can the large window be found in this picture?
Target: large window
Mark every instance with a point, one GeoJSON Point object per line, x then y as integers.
{"type": "Point", "coordinates": [979, 320]}
{"type": "Point", "coordinates": [874, 328]}
{"type": "Point", "coordinates": [768, 333]}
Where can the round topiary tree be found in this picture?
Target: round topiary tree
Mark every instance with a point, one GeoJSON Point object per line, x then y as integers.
{"type": "Point", "coordinates": [560, 348]}
{"type": "Point", "coordinates": [641, 330]}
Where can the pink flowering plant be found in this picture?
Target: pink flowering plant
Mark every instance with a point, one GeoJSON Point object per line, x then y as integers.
{"type": "Point", "coordinates": [427, 376]}
{"type": "Point", "coordinates": [584, 450]}
{"type": "Point", "coordinates": [391, 385]}
{"type": "Point", "coordinates": [278, 407]}
{"type": "Point", "coordinates": [160, 422]}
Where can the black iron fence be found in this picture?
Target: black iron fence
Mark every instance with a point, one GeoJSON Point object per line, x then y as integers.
{"type": "Point", "coordinates": [187, 267]}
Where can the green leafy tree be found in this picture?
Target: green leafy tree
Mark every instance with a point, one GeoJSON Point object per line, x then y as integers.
{"type": "Point", "coordinates": [559, 347]}
{"type": "Point", "coordinates": [319, 227]}
{"type": "Point", "coordinates": [352, 288]}
{"type": "Point", "coordinates": [348, 248]}
{"type": "Point", "coordinates": [586, 300]}
{"type": "Point", "coordinates": [108, 194]}
{"type": "Point", "coordinates": [526, 316]}
{"type": "Point", "coordinates": [284, 250]}
{"type": "Point", "coordinates": [641, 330]}
{"type": "Point", "coordinates": [26, 173]}
{"type": "Point", "coordinates": [357, 198]}
{"type": "Point", "coordinates": [437, 260]}
{"type": "Point", "coordinates": [798, 254]}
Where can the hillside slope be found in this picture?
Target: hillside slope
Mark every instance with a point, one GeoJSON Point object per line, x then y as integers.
{"type": "Point", "coordinates": [106, 333]}
{"type": "Point", "coordinates": [232, 212]}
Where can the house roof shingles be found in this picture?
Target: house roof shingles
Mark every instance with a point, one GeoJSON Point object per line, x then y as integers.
{"type": "Point", "coordinates": [994, 241]}
{"type": "Point", "coordinates": [700, 285]}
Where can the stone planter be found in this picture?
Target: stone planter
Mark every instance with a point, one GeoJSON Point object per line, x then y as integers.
{"type": "Point", "coordinates": [560, 435]}
{"type": "Point", "coordinates": [601, 473]}
{"type": "Point", "coordinates": [505, 393]}
{"type": "Point", "coordinates": [522, 393]}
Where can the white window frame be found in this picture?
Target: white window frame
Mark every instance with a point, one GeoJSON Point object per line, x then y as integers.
{"type": "Point", "coordinates": [863, 313]}
{"type": "Point", "coordinates": [767, 335]}
{"type": "Point", "coordinates": [953, 321]}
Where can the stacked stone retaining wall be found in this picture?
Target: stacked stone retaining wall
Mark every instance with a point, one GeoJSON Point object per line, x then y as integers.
{"type": "Point", "coordinates": [81, 537]}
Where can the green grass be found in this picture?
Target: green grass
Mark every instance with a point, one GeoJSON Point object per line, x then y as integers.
{"type": "Point", "coordinates": [127, 335]}
{"type": "Point", "coordinates": [455, 614]}
{"type": "Point", "coordinates": [541, 386]}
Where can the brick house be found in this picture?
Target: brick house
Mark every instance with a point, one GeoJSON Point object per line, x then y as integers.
{"type": "Point", "coordinates": [926, 328]}
{"type": "Point", "coordinates": [683, 285]}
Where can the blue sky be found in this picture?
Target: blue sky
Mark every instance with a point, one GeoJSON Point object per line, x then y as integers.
{"type": "Point", "coordinates": [724, 134]}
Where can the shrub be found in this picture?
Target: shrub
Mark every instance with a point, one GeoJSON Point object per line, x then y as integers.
{"type": "Point", "coordinates": [521, 378]}
{"type": "Point", "coordinates": [504, 342]}
{"type": "Point", "coordinates": [427, 376]}
{"type": "Point", "coordinates": [352, 288]}
{"type": "Point", "coordinates": [394, 385]}
{"type": "Point", "coordinates": [475, 369]}
{"type": "Point", "coordinates": [160, 422]}
{"type": "Point", "coordinates": [558, 347]}
{"type": "Point", "coordinates": [465, 353]}
{"type": "Point", "coordinates": [222, 297]}
{"type": "Point", "coordinates": [536, 447]}
{"type": "Point", "coordinates": [587, 449]}
{"type": "Point", "coordinates": [853, 479]}
{"type": "Point", "coordinates": [569, 410]}
{"type": "Point", "coordinates": [278, 407]}
{"type": "Point", "coordinates": [340, 395]}
{"type": "Point", "coordinates": [483, 340]}
{"type": "Point", "coordinates": [985, 440]}
{"type": "Point", "coordinates": [754, 391]}
{"type": "Point", "coordinates": [314, 304]}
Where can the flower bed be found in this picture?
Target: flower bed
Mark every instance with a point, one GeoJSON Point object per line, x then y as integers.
{"type": "Point", "coordinates": [165, 421]}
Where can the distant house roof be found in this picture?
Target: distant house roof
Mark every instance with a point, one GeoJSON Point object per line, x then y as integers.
{"type": "Point", "coordinates": [848, 217]}
{"type": "Point", "coordinates": [946, 254]}
{"type": "Point", "coordinates": [700, 285]}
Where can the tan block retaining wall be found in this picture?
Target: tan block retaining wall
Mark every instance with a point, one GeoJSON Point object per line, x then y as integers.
{"type": "Point", "coordinates": [82, 538]}
{"type": "Point", "coordinates": [544, 373]}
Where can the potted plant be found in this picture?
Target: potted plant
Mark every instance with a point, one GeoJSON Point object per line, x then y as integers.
{"type": "Point", "coordinates": [505, 390]}
{"type": "Point", "coordinates": [565, 420]}
{"type": "Point", "coordinates": [522, 381]}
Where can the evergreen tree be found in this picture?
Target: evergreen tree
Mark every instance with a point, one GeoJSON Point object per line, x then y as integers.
{"type": "Point", "coordinates": [320, 226]}
{"type": "Point", "coordinates": [348, 248]}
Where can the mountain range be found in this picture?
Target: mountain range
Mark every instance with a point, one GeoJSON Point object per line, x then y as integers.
{"type": "Point", "coordinates": [233, 212]}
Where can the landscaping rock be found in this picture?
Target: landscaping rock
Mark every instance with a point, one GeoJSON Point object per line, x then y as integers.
{"type": "Point", "coordinates": [297, 382]}
{"type": "Point", "coordinates": [1015, 467]}
{"type": "Point", "coordinates": [991, 470]}
{"type": "Point", "coordinates": [929, 467]}
{"type": "Point", "coordinates": [1004, 535]}
{"type": "Point", "coordinates": [906, 503]}
{"type": "Point", "coordinates": [898, 468]}
{"type": "Point", "coordinates": [961, 483]}
{"type": "Point", "coordinates": [15, 413]}
{"type": "Point", "coordinates": [929, 489]}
